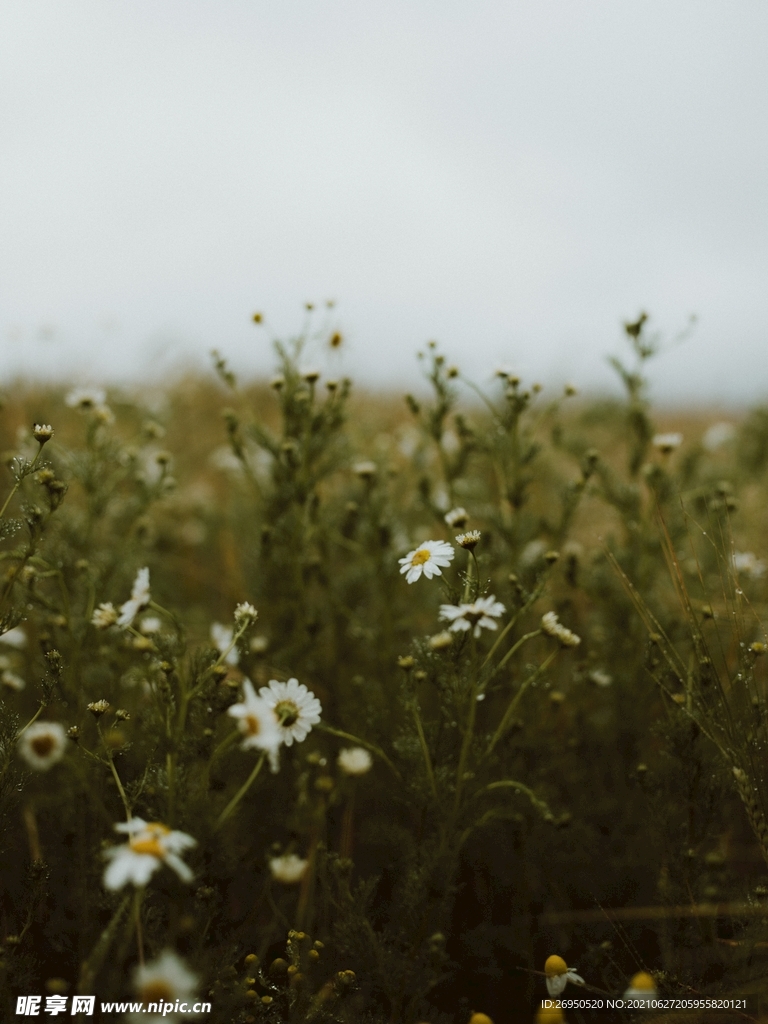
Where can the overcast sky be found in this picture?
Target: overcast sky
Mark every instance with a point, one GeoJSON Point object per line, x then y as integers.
{"type": "Point", "coordinates": [510, 178]}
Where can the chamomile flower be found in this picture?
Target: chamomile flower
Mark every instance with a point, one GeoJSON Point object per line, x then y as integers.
{"type": "Point", "coordinates": [667, 443]}
{"type": "Point", "coordinates": [641, 986]}
{"type": "Point", "coordinates": [15, 637]}
{"type": "Point", "coordinates": [559, 974]}
{"type": "Point", "coordinates": [104, 616]}
{"type": "Point", "coordinates": [149, 846]}
{"type": "Point", "coordinates": [42, 744]}
{"type": "Point", "coordinates": [162, 981]}
{"type": "Point", "coordinates": [553, 627]}
{"type": "Point", "coordinates": [355, 761]}
{"type": "Point", "coordinates": [288, 868]}
{"type": "Point", "coordinates": [748, 563]}
{"type": "Point", "coordinates": [296, 707]}
{"type": "Point", "coordinates": [477, 616]}
{"type": "Point", "coordinates": [245, 612]}
{"type": "Point", "coordinates": [140, 598]}
{"type": "Point", "coordinates": [11, 680]}
{"type": "Point", "coordinates": [222, 638]}
{"type": "Point", "coordinates": [258, 723]}
{"type": "Point", "coordinates": [469, 540]}
{"type": "Point", "coordinates": [428, 558]}
{"type": "Point", "coordinates": [85, 398]}
{"type": "Point", "coordinates": [150, 624]}
{"type": "Point", "coordinates": [456, 518]}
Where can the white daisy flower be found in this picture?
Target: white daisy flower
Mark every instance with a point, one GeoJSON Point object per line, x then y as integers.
{"type": "Point", "coordinates": [161, 981]}
{"type": "Point", "coordinates": [641, 986]}
{"type": "Point", "coordinates": [478, 615]}
{"type": "Point", "coordinates": [600, 678]}
{"type": "Point", "coordinates": [11, 680]}
{"type": "Point", "coordinates": [42, 744]}
{"type": "Point", "coordinates": [296, 707]}
{"type": "Point", "coordinates": [258, 723]}
{"type": "Point", "coordinates": [15, 637]}
{"type": "Point", "coordinates": [149, 846]}
{"type": "Point", "coordinates": [355, 761]}
{"type": "Point", "coordinates": [667, 443]}
{"type": "Point", "coordinates": [427, 558]}
{"type": "Point", "coordinates": [140, 598]}
{"type": "Point", "coordinates": [552, 626]}
{"type": "Point", "coordinates": [222, 638]}
{"type": "Point", "coordinates": [288, 869]}
{"type": "Point", "coordinates": [104, 616]}
{"type": "Point", "coordinates": [456, 518]}
{"type": "Point", "coordinates": [150, 624]}
{"type": "Point", "coordinates": [559, 974]}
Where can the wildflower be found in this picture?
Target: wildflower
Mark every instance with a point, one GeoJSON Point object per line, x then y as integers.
{"type": "Point", "coordinates": [42, 744]}
{"type": "Point", "coordinates": [149, 846]}
{"type": "Point", "coordinates": [551, 625]}
{"type": "Point", "coordinates": [355, 760]}
{"type": "Point", "coordinates": [98, 708]}
{"type": "Point", "coordinates": [42, 432]}
{"type": "Point", "coordinates": [162, 981]}
{"type": "Point", "coordinates": [428, 558]}
{"type": "Point", "coordinates": [641, 986]}
{"type": "Point", "coordinates": [469, 540]}
{"type": "Point", "coordinates": [15, 637]}
{"type": "Point", "coordinates": [11, 680]}
{"type": "Point", "coordinates": [288, 869]}
{"type": "Point", "coordinates": [456, 518]}
{"type": "Point", "coordinates": [479, 614]}
{"type": "Point", "coordinates": [667, 443]}
{"type": "Point", "coordinates": [85, 398]}
{"type": "Point", "coordinates": [259, 644]}
{"type": "Point", "coordinates": [365, 470]}
{"type": "Point", "coordinates": [600, 678]}
{"type": "Point", "coordinates": [748, 563]}
{"type": "Point", "coordinates": [245, 612]}
{"type": "Point", "coordinates": [222, 638]}
{"type": "Point", "coordinates": [140, 598]}
{"type": "Point", "coordinates": [532, 552]}
{"type": "Point", "coordinates": [150, 624]}
{"type": "Point", "coordinates": [296, 707]}
{"type": "Point", "coordinates": [440, 641]}
{"type": "Point", "coordinates": [277, 383]}
{"type": "Point", "coordinates": [104, 616]}
{"type": "Point", "coordinates": [258, 723]}
{"type": "Point", "coordinates": [559, 974]}
{"type": "Point", "coordinates": [311, 376]}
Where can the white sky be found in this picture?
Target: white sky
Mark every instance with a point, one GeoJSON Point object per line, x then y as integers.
{"type": "Point", "coordinates": [511, 178]}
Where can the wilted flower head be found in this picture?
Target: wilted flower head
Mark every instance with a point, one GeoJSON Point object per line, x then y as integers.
{"type": "Point", "coordinates": [440, 641]}
{"type": "Point", "coordinates": [104, 616]}
{"type": "Point", "coordinates": [355, 760]}
{"type": "Point", "coordinates": [42, 744]}
{"type": "Point", "coordinates": [98, 708]}
{"type": "Point", "coordinates": [42, 432]}
{"type": "Point", "coordinates": [477, 615]}
{"type": "Point", "coordinates": [297, 708]}
{"type": "Point", "coordinates": [149, 846]}
{"type": "Point", "coordinates": [551, 625]}
{"type": "Point", "coordinates": [288, 868]}
{"type": "Point", "coordinates": [245, 612]}
{"type": "Point", "coordinates": [140, 598]}
{"type": "Point", "coordinates": [667, 443]}
{"type": "Point", "coordinates": [469, 540]}
{"type": "Point", "coordinates": [258, 723]}
{"type": "Point", "coordinates": [222, 638]}
{"type": "Point", "coordinates": [456, 518]}
{"type": "Point", "coordinates": [428, 558]}
{"type": "Point", "coordinates": [162, 981]}
{"type": "Point", "coordinates": [559, 974]}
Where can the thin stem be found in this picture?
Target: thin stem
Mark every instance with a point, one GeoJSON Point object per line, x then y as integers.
{"type": "Point", "coordinates": [499, 639]}
{"type": "Point", "coordinates": [18, 482]}
{"type": "Point", "coordinates": [468, 732]}
{"type": "Point", "coordinates": [137, 899]}
{"type": "Point", "coordinates": [115, 776]}
{"type": "Point", "coordinates": [228, 810]}
{"type": "Point", "coordinates": [424, 750]}
{"type": "Point", "coordinates": [514, 648]}
{"type": "Point", "coordinates": [507, 717]}
{"type": "Point", "coordinates": [90, 967]}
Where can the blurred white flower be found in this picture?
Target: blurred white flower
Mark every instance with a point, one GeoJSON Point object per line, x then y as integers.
{"type": "Point", "coordinates": [296, 707]}
{"type": "Point", "coordinates": [42, 744]}
{"type": "Point", "coordinates": [222, 638]}
{"type": "Point", "coordinates": [150, 624]}
{"type": "Point", "coordinates": [427, 558]}
{"type": "Point", "coordinates": [85, 398]}
{"type": "Point", "coordinates": [748, 563]}
{"type": "Point", "coordinates": [532, 552]}
{"type": "Point", "coordinates": [11, 680]}
{"type": "Point", "coordinates": [456, 518]}
{"type": "Point", "coordinates": [288, 869]}
{"type": "Point", "coordinates": [15, 637]}
{"type": "Point", "coordinates": [717, 435]}
{"type": "Point", "coordinates": [258, 723]}
{"type": "Point", "coordinates": [667, 443]}
{"type": "Point", "coordinates": [161, 981]}
{"type": "Point", "coordinates": [104, 616]}
{"type": "Point", "coordinates": [245, 611]}
{"type": "Point", "coordinates": [355, 760]}
{"type": "Point", "coordinates": [551, 625]}
{"type": "Point", "coordinates": [140, 598]}
{"type": "Point", "coordinates": [149, 846]}
{"type": "Point", "coordinates": [600, 678]}
{"type": "Point", "coordinates": [477, 615]}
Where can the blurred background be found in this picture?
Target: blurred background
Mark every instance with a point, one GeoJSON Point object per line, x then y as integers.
{"type": "Point", "coordinates": [510, 178]}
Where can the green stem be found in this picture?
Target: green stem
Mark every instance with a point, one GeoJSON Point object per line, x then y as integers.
{"type": "Point", "coordinates": [425, 750]}
{"type": "Point", "coordinates": [91, 966]}
{"type": "Point", "coordinates": [137, 899]}
{"type": "Point", "coordinates": [115, 776]}
{"type": "Point", "coordinates": [17, 485]}
{"type": "Point", "coordinates": [507, 717]}
{"type": "Point", "coordinates": [513, 649]}
{"type": "Point", "coordinates": [231, 806]}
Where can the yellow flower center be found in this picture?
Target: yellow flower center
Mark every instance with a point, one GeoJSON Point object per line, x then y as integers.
{"type": "Point", "coordinates": [287, 712]}
{"type": "Point", "coordinates": [421, 556]}
{"type": "Point", "coordinates": [252, 725]}
{"type": "Point", "coordinates": [147, 845]}
{"type": "Point", "coordinates": [156, 991]}
{"type": "Point", "coordinates": [555, 965]}
{"type": "Point", "coordinates": [42, 745]}
{"type": "Point", "coordinates": [644, 981]}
